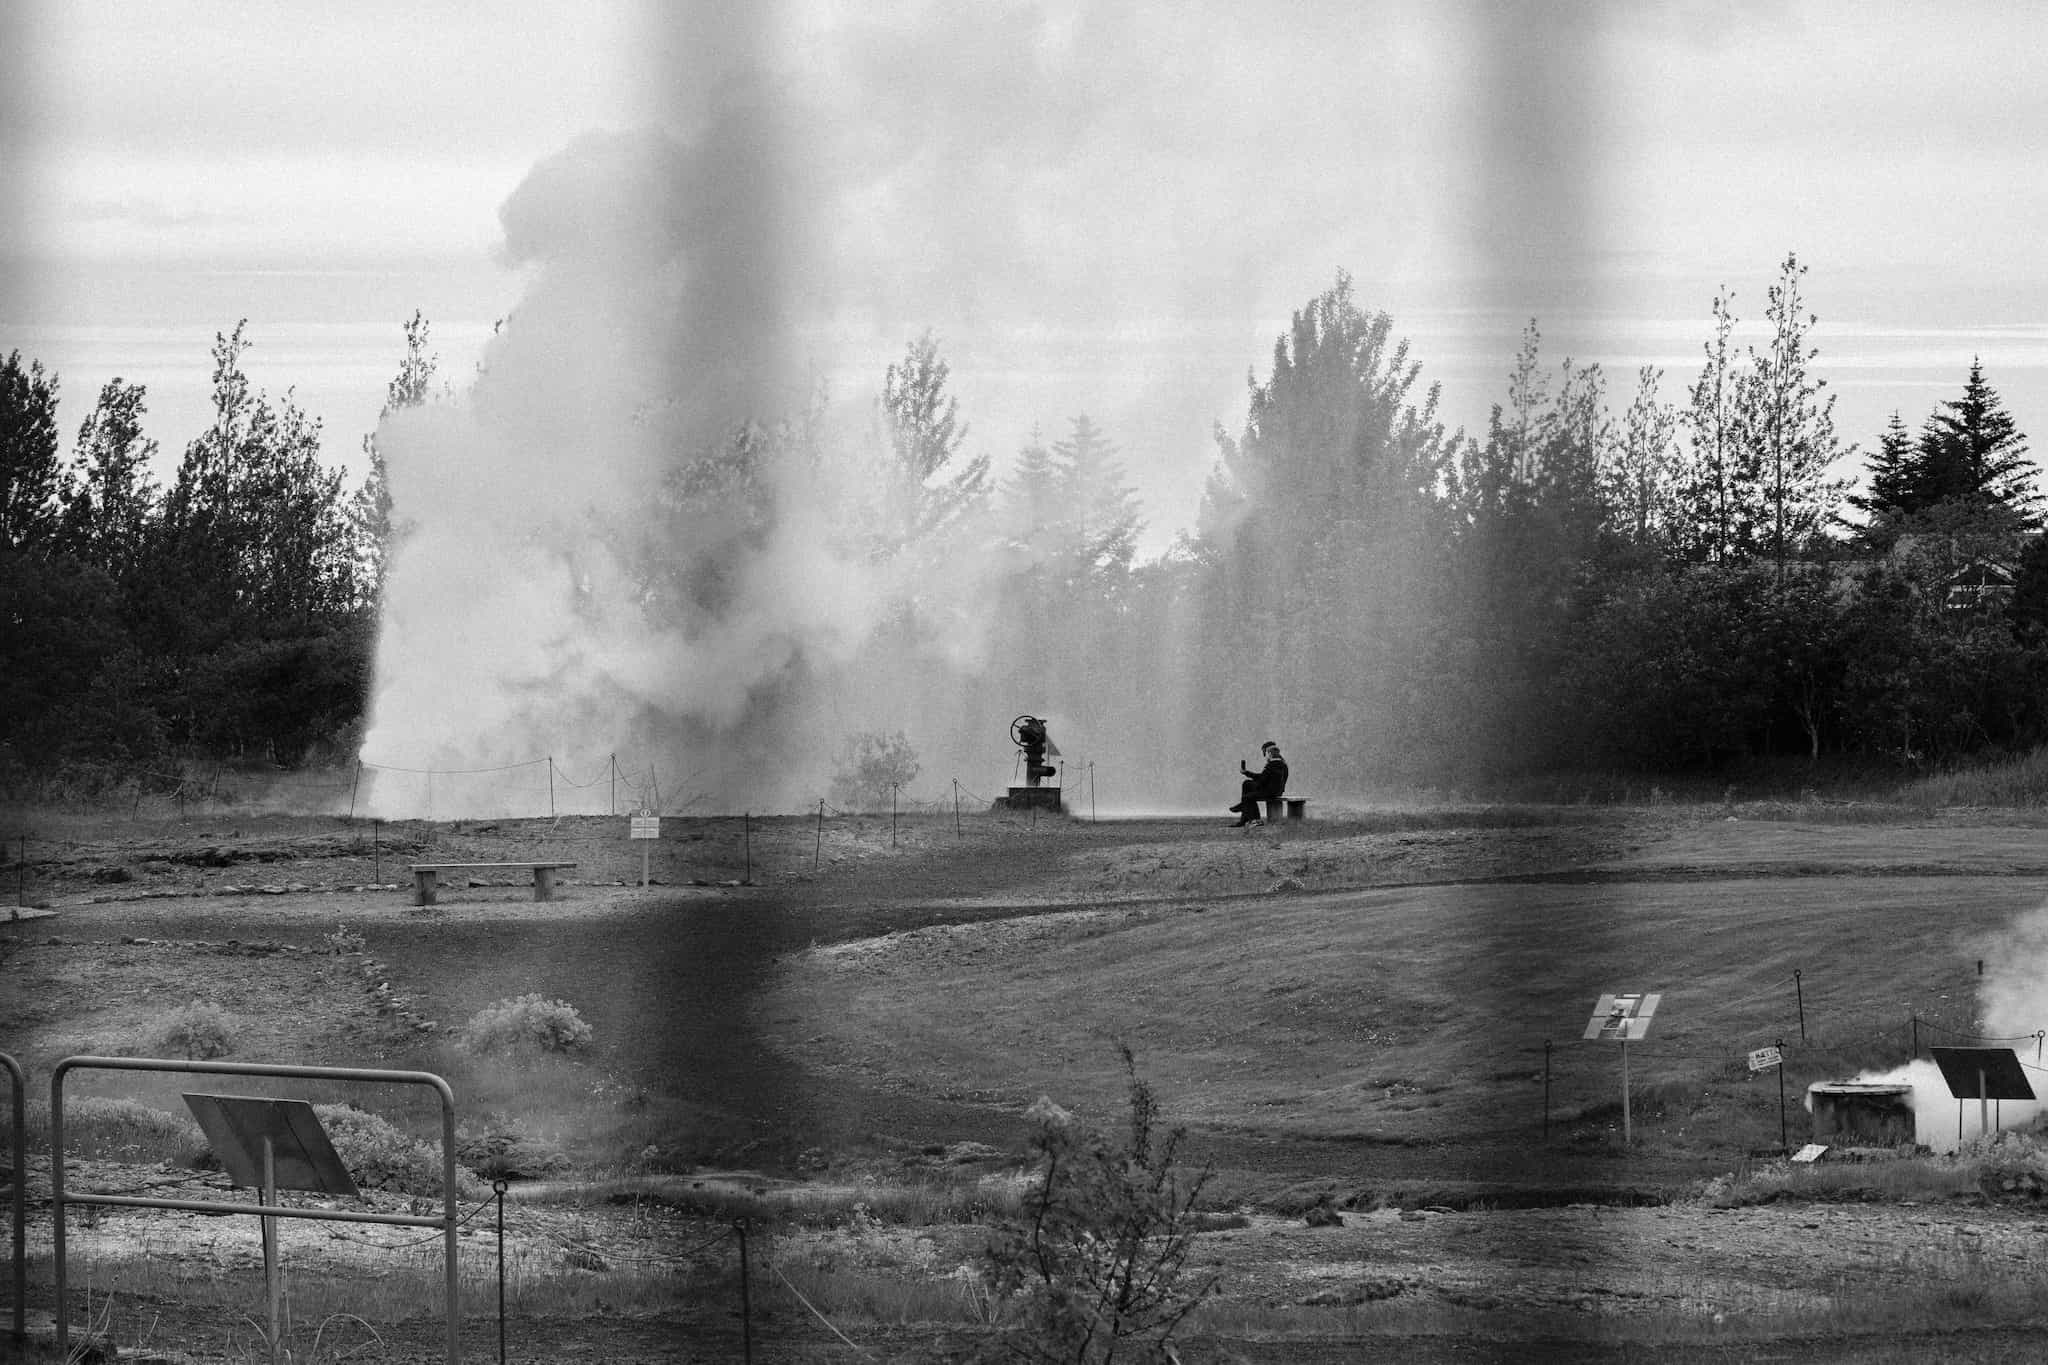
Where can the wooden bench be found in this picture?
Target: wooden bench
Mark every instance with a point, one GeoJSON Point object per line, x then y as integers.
{"type": "Point", "coordinates": [1297, 807]}
{"type": "Point", "coordinates": [426, 877]}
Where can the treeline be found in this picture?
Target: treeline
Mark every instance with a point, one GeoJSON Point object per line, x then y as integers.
{"type": "Point", "coordinates": [229, 616]}
{"type": "Point", "coordinates": [1673, 586]}
{"type": "Point", "coordinates": [1660, 581]}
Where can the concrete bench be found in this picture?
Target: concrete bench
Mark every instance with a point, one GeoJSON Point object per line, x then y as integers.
{"type": "Point", "coordinates": [426, 877]}
{"type": "Point", "coordinates": [1297, 807]}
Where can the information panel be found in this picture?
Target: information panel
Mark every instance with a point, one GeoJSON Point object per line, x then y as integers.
{"type": "Point", "coordinates": [1622, 1018]}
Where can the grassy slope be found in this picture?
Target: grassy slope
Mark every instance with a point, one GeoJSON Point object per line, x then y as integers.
{"type": "Point", "coordinates": [1421, 1012]}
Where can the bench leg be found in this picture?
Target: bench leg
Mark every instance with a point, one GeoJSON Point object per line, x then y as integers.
{"type": "Point", "coordinates": [543, 883]}
{"type": "Point", "coordinates": [1274, 808]}
{"type": "Point", "coordinates": [1297, 808]}
{"type": "Point", "coordinates": [423, 886]}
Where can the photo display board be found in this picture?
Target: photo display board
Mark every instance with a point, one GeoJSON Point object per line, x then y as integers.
{"type": "Point", "coordinates": [1622, 1018]}
{"type": "Point", "coordinates": [1991, 1073]}
{"type": "Point", "coordinates": [301, 1156]}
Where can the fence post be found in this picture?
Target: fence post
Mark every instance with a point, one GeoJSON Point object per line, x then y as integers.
{"type": "Point", "coordinates": [746, 1307]}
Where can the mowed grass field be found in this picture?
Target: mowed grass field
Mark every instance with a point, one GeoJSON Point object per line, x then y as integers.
{"type": "Point", "coordinates": [1420, 1013]}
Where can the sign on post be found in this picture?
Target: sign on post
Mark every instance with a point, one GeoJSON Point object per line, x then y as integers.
{"type": "Point", "coordinates": [1764, 1058]}
{"type": "Point", "coordinates": [1622, 1019]}
{"type": "Point", "coordinates": [1988, 1075]}
{"type": "Point", "coordinates": [645, 827]}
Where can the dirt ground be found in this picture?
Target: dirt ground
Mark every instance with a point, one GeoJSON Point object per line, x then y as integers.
{"type": "Point", "coordinates": [114, 922]}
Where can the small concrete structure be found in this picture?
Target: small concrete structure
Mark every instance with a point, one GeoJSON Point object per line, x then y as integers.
{"type": "Point", "coordinates": [426, 877]}
{"type": "Point", "coordinates": [1863, 1113]}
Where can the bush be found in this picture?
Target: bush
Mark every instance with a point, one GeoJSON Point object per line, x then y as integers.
{"type": "Point", "coordinates": [870, 763]}
{"type": "Point", "coordinates": [199, 1031]}
{"type": "Point", "coordinates": [526, 1022]}
{"type": "Point", "coordinates": [110, 1129]}
{"type": "Point", "coordinates": [381, 1156]}
{"type": "Point", "coordinates": [1095, 1266]}
{"type": "Point", "coordinates": [513, 1155]}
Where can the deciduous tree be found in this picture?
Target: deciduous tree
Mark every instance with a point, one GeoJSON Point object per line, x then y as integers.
{"type": "Point", "coordinates": [111, 498]}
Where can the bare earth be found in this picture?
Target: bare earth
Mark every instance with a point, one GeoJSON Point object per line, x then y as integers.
{"type": "Point", "coordinates": [1480, 1245]}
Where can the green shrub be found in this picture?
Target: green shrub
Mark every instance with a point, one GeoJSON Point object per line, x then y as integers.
{"type": "Point", "coordinates": [513, 1155]}
{"type": "Point", "coordinates": [526, 1023]}
{"type": "Point", "coordinates": [107, 1129]}
{"type": "Point", "coordinates": [198, 1031]}
{"type": "Point", "coordinates": [868, 765]}
{"type": "Point", "coordinates": [381, 1156]}
{"type": "Point", "coordinates": [1095, 1267]}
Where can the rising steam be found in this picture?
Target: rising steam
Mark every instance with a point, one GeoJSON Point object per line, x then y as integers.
{"type": "Point", "coordinates": [614, 543]}
{"type": "Point", "coordinates": [2012, 1006]}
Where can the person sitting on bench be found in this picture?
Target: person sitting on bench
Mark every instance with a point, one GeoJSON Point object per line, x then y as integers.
{"type": "Point", "coordinates": [1267, 784]}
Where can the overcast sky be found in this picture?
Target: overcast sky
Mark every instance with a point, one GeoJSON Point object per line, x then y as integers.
{"type": "Point", "coordinates": [1100, 208]}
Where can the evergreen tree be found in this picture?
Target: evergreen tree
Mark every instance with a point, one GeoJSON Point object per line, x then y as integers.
{"type": "Point", "coordinates": [1030, 503]}
{"type": "Point", "coordinates": [1326, 533]}
{"type": "Point", "coordinates": [29, 465]}
{"type": "Point", "coordinates": [1896, 484]}
{"type": "Point", "coordinates": [1101, 507]}
{"type": "Point", "coordinates": [1972, 451]}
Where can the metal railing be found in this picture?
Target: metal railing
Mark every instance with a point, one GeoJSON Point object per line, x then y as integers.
{"type": "Point", "coordinates": [60, 1197]}
{"type": "Point", "coordinates": [19, 1084]}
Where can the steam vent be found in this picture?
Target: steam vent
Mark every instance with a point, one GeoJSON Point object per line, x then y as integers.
{"type": "Point", "coordinates": [1862, 1113]}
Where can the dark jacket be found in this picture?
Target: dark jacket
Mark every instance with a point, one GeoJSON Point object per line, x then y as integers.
{"type": "Point", "coordinates": [1270, 782]}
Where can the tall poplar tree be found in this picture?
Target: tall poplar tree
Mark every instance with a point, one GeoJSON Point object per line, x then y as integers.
{"type": "Point", "coordinates": [111, 498]}
{"type": "Point", "coordinates": [1790, 428]}
{"type": "Point", "coordinates": [1714, 525]}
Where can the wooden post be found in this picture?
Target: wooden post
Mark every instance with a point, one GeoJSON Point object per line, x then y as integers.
{"type": "Point", "coordinates": [352, 786]}
{"type": "Point", "coordinates": [1546, 1090]}
{"type": "Point", "coordinates": [1782, 1143]}
{"type": "Point", "coordinates": [746, 1308]}
{"type": "Point", "coordinates": [1801, 989]}
{"type": "Point", "coordinates": [498, 1188]}
{"type": "Point", "coordinates": [818, 847]}
{"type": "Point", "coordinates": [1627, 1123]}
{"type": "Point", "coordinates": [270, 1243]}
{"type": "Point", "coordinates": [747, 833]}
